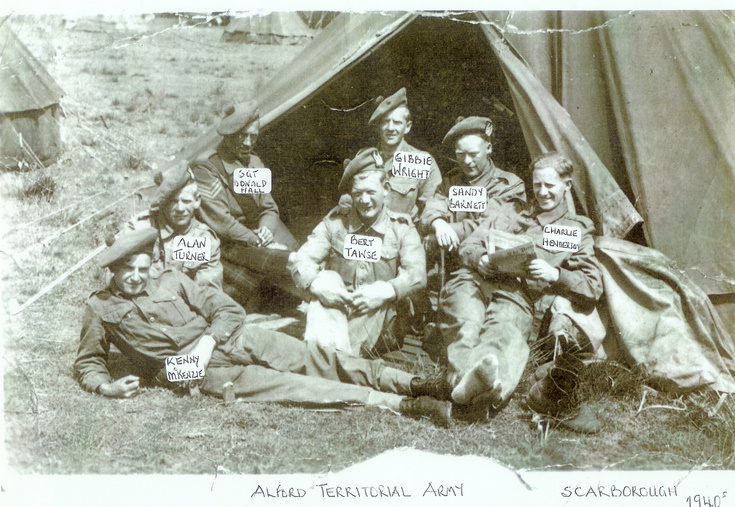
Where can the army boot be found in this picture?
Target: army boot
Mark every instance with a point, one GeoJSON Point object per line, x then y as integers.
{"type": "Point", "coordinates": [435, 386]}
{"type": "Point", "coordinates": [438, 412]}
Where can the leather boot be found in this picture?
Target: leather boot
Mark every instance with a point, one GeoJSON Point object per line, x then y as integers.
{"type": "Point", "coordinates": [438, 412]}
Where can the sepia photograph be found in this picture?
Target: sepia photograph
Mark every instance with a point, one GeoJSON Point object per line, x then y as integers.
{"type": "Point", "coordinates": [242, 243]}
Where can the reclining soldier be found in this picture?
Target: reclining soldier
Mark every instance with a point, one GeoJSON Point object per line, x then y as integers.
{"type": "Point", "coordinates": [357, 291]}
{"type": "Point", "coordinates": [487, 316]}
{"type": "Point", "coordinates": [150, 320]}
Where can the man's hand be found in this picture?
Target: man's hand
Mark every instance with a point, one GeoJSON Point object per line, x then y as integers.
{"type": "Point", "coordinates": [371, 296]}
{"type": "Point", "coordinates": [264, 235]}
{"type": "Point", "coordinates": [121, 388]}
{"type": "Point", "coordinates": [331, 291]}
{"type": "Point", "coordinates": [542, 271]}
{"type": "Point", "coordinates": [204, 349]}
{"type": "Point", "coordinates": [445, 235]}
{"type": "Point", "coordinates": [486, 268]}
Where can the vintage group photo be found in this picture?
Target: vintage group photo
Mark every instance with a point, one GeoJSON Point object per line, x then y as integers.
{"type": "Point", "coordinates": [288, 242]}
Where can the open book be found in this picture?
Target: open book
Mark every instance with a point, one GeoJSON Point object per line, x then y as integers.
{"type": "Point", "coordinates": [510, 253]}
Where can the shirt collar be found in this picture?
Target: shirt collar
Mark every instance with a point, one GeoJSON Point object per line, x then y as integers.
{"type": "Point", "coordinates": [167, 231]}
{"type": "Point", "coordinates": [402, 146]}
{"type": "Point", "coordinates": [355, 225]}
{"type": "Point", "coordinates": [116, 291]}
{"type": "Point", "coordinates": [547, 217]}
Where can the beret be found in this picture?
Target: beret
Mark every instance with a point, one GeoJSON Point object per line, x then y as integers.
{"type": "Point", "coordinates": [470, 125]}
{"type": "Point", "coordinates": [140, 240]}
{"type": "Point", "coordinates": [366, 160]}
{"type": "Point", "coordinates": [171, 182]}
{"type": "Point", "coordinates": [385, 106]}
{"type": "Point", "coordinates": [237, 117]}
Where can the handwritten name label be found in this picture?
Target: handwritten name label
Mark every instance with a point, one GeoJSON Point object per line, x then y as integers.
{"type": "Point", "coordinates": [251, 181]}
{"type": "Point", "coordinates": [182, 368]}
{"type": "Point", "coordinates": [328, 490]}
{"type": "Point", "coordinates": [561, 238]}
{"type": "Point", "coordinates": [411, 165]}
{"type": "Point", "coordinates": [468, 199]}
{"type": "Point", "coordinates": [191, 249]}
{"type": "Point", "coordinates": [362, 248]}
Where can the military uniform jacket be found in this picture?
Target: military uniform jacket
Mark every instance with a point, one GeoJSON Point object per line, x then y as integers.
{"type": "Point", "coordinates": [408, 195]}
{"type": "Point", "coordinates": [402, 259]}
{"type": "Point", "coordinates": [579, 273]}
{"type": "Point", "coordinates": [232, 216]}
{"type": "Point", "coordinates": [204, 273]}
{"type": "Point", "coordinates": [502, 186]}
{"type": "Point", "coordinates": [169, 317]}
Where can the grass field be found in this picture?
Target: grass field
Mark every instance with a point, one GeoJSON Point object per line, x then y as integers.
{"type": "Point", "coordinates": [133, 99]}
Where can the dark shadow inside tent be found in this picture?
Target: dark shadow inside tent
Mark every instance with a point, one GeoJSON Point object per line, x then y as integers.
{"type": "Point", "coordinates": [449, 70]}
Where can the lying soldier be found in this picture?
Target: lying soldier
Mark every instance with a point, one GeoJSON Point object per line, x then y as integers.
{"type": "Point", "coordinates": [357, 291]}
{"type": "Point", "coordinates": [172, 212]}
{"type": "Point", "coordinates": [150, 320]}
{"type": "Point", "coordinates": [487, 316]}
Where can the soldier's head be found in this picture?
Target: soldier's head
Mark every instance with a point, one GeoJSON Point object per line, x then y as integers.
{"type": "Point", "coordinates": [177, 198]}
{"type": "Point", "coordinates": [472, 147]}
{"type": "Point", "coordinates": [552, 178]}
{"type": "Point", "coordinates": [239, 129]}
{"type": "Point", "coordinates": [129, 257]}
{"type": "Point", "coordinates": [365, 180]}
{"type": "Point", "coordinates": [392, 119]}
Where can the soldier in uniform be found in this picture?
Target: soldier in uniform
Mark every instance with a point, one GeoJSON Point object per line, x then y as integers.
{"type": "Point", "coordinates": [487, 316]}
{"type": "Point", "coordinates": [407, 194]}
{"type": "Point", "coordinates": [472, 148]}
{"type": "Point", "coordinates": [255, 243]}
{"type": "Point", "coordinates": [172, 213]}
{"type": "Point", "coordinates": [353, 293]}
{"type": "Point", "coordinates": [150, 320]}
{"type": "Point", "coordinates": [445, 229]}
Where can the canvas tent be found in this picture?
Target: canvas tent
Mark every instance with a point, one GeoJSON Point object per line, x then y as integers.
{"type": "Point", "coordinates": [642, 103]}
{"type": "Point", "coordinates": [29, 106]}
{"type": "Point", "coordinates": [273, 28]}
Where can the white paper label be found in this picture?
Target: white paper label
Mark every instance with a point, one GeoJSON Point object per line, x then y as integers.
{"type": "Point", "coordinates": [561, 238]}
{"type": "Point", "coordinates": [191, 249]}
{"type": "Point", "coordinates": [467, 199]}
{"type": "Point", "coordinates": [251, 181]}
{"type": "Point", "coordinates": [183, 368]}
{"type": "Point", "coordinates": [411, 165]}
{"type": "Point", "coordinates": [362, 248]}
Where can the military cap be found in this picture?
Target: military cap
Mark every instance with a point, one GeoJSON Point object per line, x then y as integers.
{"type": "Point", "coordinates": [237, 117]}
{"type": "Point", "coordinates": [138, 241]}
{"type": "Point", "coordinates": [385, 106]}
{"type": "Point", "coordinates": [365, 160]}
{"type": "Point", "coordinates": [168, 184]}
{"type": "Point", "coordinates": [470, 125]}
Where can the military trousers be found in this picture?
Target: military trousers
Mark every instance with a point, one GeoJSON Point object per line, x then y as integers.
{"type": "Point", "coordinates": [269, 366]}
{"type": "Point", "coordinates": [484, 323]}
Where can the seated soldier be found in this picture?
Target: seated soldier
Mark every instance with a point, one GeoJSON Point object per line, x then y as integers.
{"type": "Point", "coordinates": [172, 211]}
{"type": "Point", "coordinates": [150, 320]}
{"type": "Point", "coordinates": [444, 228]}
{"type": "Point", "coordinates": [407, 194]}
{"type": "Point", "coordinates": [357, 290]}
{"type": "Point", "coordinates": [472, 148]}
{"type": "Point", "coordinates": [255, 243]}
{"type": "Point", "coordinates": [487, 316]}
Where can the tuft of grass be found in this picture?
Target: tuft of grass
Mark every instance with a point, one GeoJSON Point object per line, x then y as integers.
{"type": "Point", "coordinates": [39, 186]}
